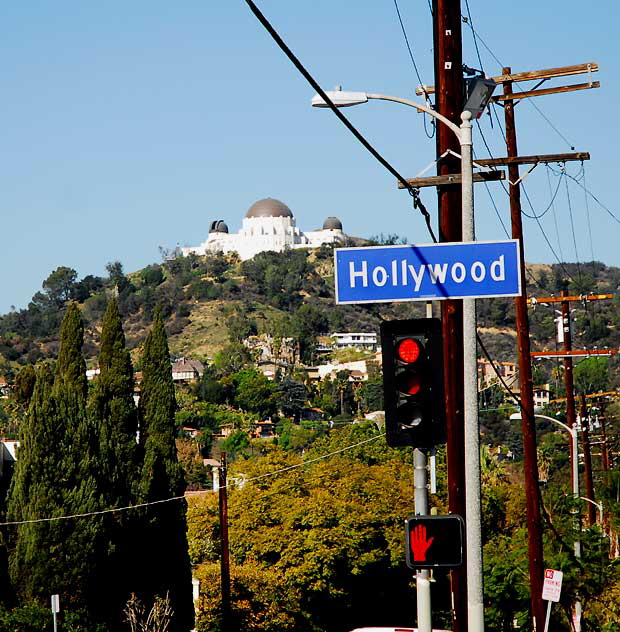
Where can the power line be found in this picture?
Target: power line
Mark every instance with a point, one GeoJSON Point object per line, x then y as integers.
{"type": "Point", "coordinates": [402, 27]}
{"type": "Point", "coordinates": [474, 36]}
{"type": "Point", "coordinates": [555, 217]}
{"type": "Point", "coordinates": [415, 193]}
{"type": "Point", "coordinates": [542, 230]}
{"type": "Point", "coordinates": [585, 195]}
{"type": "Point", "coordinates": [202, 492]}
{"type": "Point", "coordinates": [530, 101]}
{"type": "Point", "coordinates": [572, 227]}
{"type": "Point", "coordinates": [486, 184]}
{"type": "Point", "coordinates": [421, 83]}
{"type": "Point", "coordinates": [594, 198]}
{"type": "Point", "coordinates": [549, 206]}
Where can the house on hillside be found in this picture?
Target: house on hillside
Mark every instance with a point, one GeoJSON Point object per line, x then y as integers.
{"type": "Point", "coordinates": [358, 369]}
{"type": "Point", "coordinates": [264, 430]}
{"type": "Point", "coordinates": [187, 370]}
{"type": "Point", "coordinates": [268, 349]}
{"type": "Point", "coordinates": [354, 340]}
{"type": "Point", "coordinates": [542, 396]}
{"type": "Point", "coordinates": [4, 387]}
{"type": "Point", "coordinates": [488, 376]}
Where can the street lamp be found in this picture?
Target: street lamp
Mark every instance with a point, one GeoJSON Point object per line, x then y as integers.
{"type": "Point", "coordinates": [572, 431]}
{"type": "Point", "coordinates": [574, 446]}
{"type": "Point", "coordinates": [477, 101]}
{"type": "Point", "coordinates": [599, 506]}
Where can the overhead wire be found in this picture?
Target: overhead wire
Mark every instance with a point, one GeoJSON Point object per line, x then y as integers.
{"type": "Point", "coordinates": [474, 36]}
{"type": "Point", "coordinates": [551, 204]}
{"type": "Point", "coordinates": [415, 66]}
{"type": "Point", "coordinates": [572, 227]}
{"type": "Point", "coordinates": [414, 192]}
{"type": "Point", "coordinates": [588, 220]}
{"type": "Point", "coordinates": [546, 238]}
{"type": "Point", "coordinates": [402, 27]}
{"type": "Point", "coordinates": [534, 214]}
{"type": "Point", "coordinates": [555, 218]}
{"type": "Point", "coordinates": [182, 497]}
{"type": "Point", "coordinates": [517, 87]}
{"type": "Point", "coordinates": [588, 192]}
{"type": "Point", "coordinates": [486, 144]}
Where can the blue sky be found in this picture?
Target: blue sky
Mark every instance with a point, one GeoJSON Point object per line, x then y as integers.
{"type": "Point", "coordinates": [129, 126]}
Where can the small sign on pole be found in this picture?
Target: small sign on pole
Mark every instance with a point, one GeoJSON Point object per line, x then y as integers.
{"type": "Point", "coordinates": [552, 588]}
{"type": "Point", "coordinates": [55, 609]}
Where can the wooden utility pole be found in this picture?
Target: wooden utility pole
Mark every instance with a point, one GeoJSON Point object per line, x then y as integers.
{"type": "Point", "coordinates": [445, 30]}
{"type": "Point", "coordinates": [568, 353]}
{"type": "Point", "coordinates": [604, 447]}
{"type": "Point", "coordinates": [569, 386]}
{"type": "Point", "coordinates": [587, 461]}
{"type": "Point", "coordinates": [449, 102]}
{"type": "Point", "coordinates": [528, 421]}
{"type": "Point", "coordinates": [224, 549]}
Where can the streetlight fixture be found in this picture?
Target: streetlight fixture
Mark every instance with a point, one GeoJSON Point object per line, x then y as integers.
{"type": "Point", "coordinates": [572, 431]}
{"type": "Point", "coordinates": [477, 101]}
{"type": "Point", "coordinates": [599, 506]}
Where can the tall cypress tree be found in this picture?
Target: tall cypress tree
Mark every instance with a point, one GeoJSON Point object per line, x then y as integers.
{"type": "Point", "coordinates": [164, 562]}
{"type": "Point", "coordinates": [113, 412]}
{"type": "Point", "coordinates": [77, 481]}
{"type": "Point", "coordinates": [34, 494]}
{"type": "Point", "coordinates": [54, 478]}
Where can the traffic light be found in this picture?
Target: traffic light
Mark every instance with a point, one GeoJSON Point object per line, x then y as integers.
{"type": "Point", "coordinates": [413, 392]}
{"type": "Point", "coordinates": [434, 541]}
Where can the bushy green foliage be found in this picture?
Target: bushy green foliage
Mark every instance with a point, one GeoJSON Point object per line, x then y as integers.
{"type": "Point", "coordinates": [255, 393]}
{"type": "Point", "coordinates": [278, 277]}
{"type": "Point", "coordinates": [297, 437]}
{"type": "Point", "coordinates": [292, 398]}
{"type": "Point", "coordinates": [315, 547]}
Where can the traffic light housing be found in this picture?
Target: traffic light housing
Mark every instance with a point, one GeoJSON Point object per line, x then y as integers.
{"type": "Point", "coordinates": [434, 541]}
{"type": "Point", "coordinates": [413, 379]}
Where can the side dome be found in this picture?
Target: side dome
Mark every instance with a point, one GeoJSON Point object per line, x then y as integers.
{"type": "Point", "coordinates": [269, 208]}
{"type": "Point", "coordinates": [332, 223]}
{"type": "Point", "coordinates": [218, 226]}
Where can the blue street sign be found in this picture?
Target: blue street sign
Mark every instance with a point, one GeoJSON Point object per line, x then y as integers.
{"type": "Point", "coordinates": [383, 274]}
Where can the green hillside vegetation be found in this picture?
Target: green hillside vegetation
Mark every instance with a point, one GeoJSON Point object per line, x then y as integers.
{"type": "Point", "coordinates": [201, 298]}
{"type": "Point", "coordinates": [316, 512]}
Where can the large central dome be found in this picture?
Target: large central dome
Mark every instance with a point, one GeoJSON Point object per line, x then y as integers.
{"type": "Point", "coordinates": [269, 208]}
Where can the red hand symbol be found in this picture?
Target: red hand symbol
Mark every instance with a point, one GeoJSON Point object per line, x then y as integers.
{"type": "Point", "coordinates": [419, 544]}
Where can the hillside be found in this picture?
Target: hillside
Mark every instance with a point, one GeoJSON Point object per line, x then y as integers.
{"type": "Point", "coordinates": [209, 301]}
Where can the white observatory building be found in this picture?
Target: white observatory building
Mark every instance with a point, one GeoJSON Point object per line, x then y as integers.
{"type": "Point", "coordinates": [268, 225]}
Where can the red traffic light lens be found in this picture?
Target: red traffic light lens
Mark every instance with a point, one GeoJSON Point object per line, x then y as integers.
{"type": "Point", "coordinates": [409, 384]}
{"type": "Point", "coordinates": [408, 350]}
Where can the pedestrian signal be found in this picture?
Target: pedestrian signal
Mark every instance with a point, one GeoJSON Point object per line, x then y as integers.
{"type": "Point", "coordinates": [434, 541]}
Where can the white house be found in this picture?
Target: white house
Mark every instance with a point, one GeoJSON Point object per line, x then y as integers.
{"type": "Point", "coordinates": [355, 340]}
{"type": "Point", "coordinates": [186, 370]}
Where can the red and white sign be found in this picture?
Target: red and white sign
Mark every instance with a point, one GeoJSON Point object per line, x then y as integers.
{"type": "Point", "coordinates": [552, 586]}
